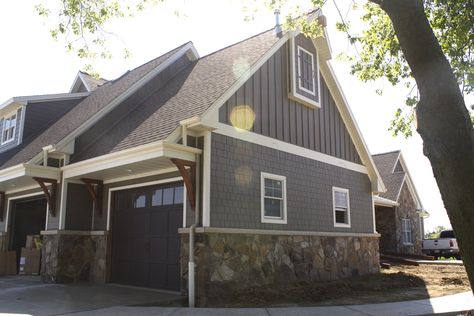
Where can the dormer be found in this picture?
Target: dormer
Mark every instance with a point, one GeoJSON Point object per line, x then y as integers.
{"type": "Point", "coordinates": [85, 83]}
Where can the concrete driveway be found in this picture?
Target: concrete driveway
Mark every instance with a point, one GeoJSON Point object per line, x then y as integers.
{"type": "Point", "coordinates": [28, 295]}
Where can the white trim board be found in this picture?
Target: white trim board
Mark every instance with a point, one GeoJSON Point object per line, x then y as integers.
{"type": "Point", "coordinates": [132, 186]}
{"type": "Point", "coordinates": [276, 144]}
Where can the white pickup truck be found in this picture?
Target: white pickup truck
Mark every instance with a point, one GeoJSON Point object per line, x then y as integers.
{"type": "Point", "coordinates": [444, 246]}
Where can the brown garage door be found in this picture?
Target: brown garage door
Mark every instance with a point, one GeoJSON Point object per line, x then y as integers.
{"type": "Point", "coordinates": [145, 241]}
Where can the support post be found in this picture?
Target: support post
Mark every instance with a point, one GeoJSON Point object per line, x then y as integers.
{"type": "Point", "coordinates": [95, 188]}
{"type": "Point", "coordinates": [50, 194]}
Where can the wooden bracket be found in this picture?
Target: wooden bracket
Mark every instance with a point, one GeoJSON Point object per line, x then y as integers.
{"type": "Point", "coordinates": [2, 205]}
{"type": "Point", "coordinates": [189, 176]}
{"type": "Point", "coordinates": [95, 188]}
{"type": "Point", "coordinates": [50, 194]}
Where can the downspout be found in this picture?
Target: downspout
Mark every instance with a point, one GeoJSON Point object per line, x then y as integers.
{"type": "Point", "coordinates": [192, 228]}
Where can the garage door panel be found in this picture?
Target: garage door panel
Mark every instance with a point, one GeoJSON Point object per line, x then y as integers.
{"type": "Point", "coordinates": [159, 222]}
{"type": "Point", "coordinates": [159, 249]}
{"type": "Point", "coordinates": [145, 236]}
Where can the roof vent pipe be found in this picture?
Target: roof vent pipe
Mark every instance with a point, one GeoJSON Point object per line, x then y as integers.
{"type": "Point", "coordinates": [277, 22]}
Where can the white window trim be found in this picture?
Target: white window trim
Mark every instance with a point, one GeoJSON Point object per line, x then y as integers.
{"type": "Point", "coordinates": [299, 48]}
{"type": "Point", "coordinates": [5, 118]}
{"type": "Point", "coordinates": [348, 224]}
{"type": "Point", "coordinates": [404, 220]}
{"type": "Point", "coordinates": [271, 219]}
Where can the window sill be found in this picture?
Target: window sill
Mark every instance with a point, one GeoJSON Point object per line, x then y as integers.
{"type": "Point", "coordinates": [342, 225]}
{"type": "Point", "coordinates": [269, 220]}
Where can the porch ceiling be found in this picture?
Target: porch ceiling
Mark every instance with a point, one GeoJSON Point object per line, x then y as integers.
{"type": "Point", "coordinates": [142, 159]}
{"type": "Point", "coordinates": [21, 175]}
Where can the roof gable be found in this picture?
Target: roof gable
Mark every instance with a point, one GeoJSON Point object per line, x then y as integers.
{"type": "Point", "coordinates": [95, 106]}
{"type": "Point", "coordinates": [85, 83]}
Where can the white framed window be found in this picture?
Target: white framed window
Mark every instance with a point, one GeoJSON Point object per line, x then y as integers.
{"type": "Point", "coordinates": [306, 71]}
{"type": "Point", "coordinates": [9, 127]}
{"type": "Point", "coordinates": [341, 207]}
{"type": "Point", "coordinates": [407, 238]}
{"type": "Point", "coordinates": [273, 198]}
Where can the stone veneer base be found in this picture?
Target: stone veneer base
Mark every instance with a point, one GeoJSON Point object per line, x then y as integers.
{"type": "Point", "coordinates": [228, 263]}
{"type": "Point", "coordinates": [70, 258]}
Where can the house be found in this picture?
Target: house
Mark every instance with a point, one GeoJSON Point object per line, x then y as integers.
{"type": "Point", "coordinates": [241, 168]}
{"type": "Point", "coordinates": [399, 213]}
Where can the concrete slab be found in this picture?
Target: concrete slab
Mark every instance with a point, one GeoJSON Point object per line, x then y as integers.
{"type": "Point", "coordinates": [314, 311]}
{"type": "Point", "coordinates": [52, 299]}
{"type": "Point", "coordinates": [442, 262]}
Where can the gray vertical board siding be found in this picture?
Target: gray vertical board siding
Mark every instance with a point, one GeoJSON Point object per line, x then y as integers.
{"type": "Point", "coordinates": [279, 117]}
{"type": "Point", "coordinates": [100, 222]}
{"type": "Point", "coordinates": [78, 208]}
{"type": "Point", "coordinates": [235, 189]}
{"type": "Point", "coordinates": [122, 119]}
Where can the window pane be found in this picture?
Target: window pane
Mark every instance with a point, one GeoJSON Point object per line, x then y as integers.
{"type": "Point", "coordinates": [168, 196]}
{"type": "Point", "coordinates": [273, 188]}
{"type": "Point", "coordinates": [341, 217]}
{"type": "Point", "coordinates": [340, 199]}
{"type": "Point", "coordinates": [178, 195]}
{"type": "Point", "coordinates": [140, 201]}
{"type": "Point", "coordinates": [157, 198]}
{"type": "Point", "coordinates": [273, 207]}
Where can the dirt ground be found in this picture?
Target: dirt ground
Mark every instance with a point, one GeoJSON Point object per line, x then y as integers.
{"type": "Point", "coordinates": [399, 283]}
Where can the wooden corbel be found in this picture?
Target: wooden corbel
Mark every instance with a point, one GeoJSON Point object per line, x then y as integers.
{"type": "Point", "coordinates": [50, 194]}
{"type": "Point", "coordinates": [189, 176]}
{"type": "Point", "coordinates": [95, 188]}
{"type": "Point", "coordinates": [2, 205]}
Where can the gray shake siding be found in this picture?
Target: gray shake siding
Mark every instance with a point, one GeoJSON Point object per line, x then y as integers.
{"type": "Point", "coordinates": [277, 116]}
{"type": "Point", "coordinates": [235, 189]}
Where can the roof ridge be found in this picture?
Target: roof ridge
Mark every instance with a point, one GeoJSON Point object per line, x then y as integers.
{"type": "Point", "coordinates": [388, 152]}
{"type": "Point", "coordinates": [237, 43]}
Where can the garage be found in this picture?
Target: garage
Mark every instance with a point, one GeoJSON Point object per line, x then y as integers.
{"type": "Point", "coordinates": [28, 218]}
{"type": "Point", "coordinates": [145, 239]}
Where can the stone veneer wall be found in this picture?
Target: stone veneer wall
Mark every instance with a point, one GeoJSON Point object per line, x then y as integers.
{"type": "Point", "coordinates": [228, 263]}
{"type": "Point", "coordinates": [407, 209]}
{"type": "Point", "coordinates": [71, 258]}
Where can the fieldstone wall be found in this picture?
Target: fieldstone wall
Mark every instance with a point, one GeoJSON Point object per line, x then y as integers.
{"type": "Point", "coordinates": [407, 209]}
{"type": "Point", "coordinates": [228, 263]}
{"type": "Point", "coordinates": [72, 258]}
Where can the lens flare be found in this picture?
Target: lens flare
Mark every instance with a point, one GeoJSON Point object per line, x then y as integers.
{"type": "Point", "coordinates": [242, 117]}
{"type": "Point", "coordinates": [243, 175]}
{"type": "Point", "coordinates": [240, 66]}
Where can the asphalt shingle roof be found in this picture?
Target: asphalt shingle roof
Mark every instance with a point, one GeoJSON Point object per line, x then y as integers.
{"type": "Point", "coordinates": [385, 163]}
{"type": "Point", "coordinates": [190, 93]}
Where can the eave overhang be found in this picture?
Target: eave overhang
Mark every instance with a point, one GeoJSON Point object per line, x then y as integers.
{"type": "Point", "coordinates": [380, 201]}
{"type": "Point", "coordinates": [142, 159]}
{"type": "Point", "coordinates": [21, 176]}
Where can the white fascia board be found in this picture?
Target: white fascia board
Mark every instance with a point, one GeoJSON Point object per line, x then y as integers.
{"type": "Point", "coordinates": [119, 99]}
{"type": "Point", "coordinates": [384, 202]}
{"type": "Point", "coordinates": [29, 170]}
{"type": "Point", "coordinates": [129, 156]}
{"type": "Point", "coordinates": [43, 98]}
{"type": "Point", "coordinates": [352, 127]}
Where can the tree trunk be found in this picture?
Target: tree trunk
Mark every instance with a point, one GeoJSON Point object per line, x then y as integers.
{"type": "Point", "coordinates": [442, 119]}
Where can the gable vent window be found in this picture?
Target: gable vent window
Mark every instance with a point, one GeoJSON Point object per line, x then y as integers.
{"type": "Point", "coordinates": [306, 69]}
{"type": "Point", "coordinates": [304, 86]}
{"type": "Point", "coordinates": [9, 126]}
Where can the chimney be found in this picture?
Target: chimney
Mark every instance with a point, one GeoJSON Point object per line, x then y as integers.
{"type": "Point", "coordinates": [277, 22]}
